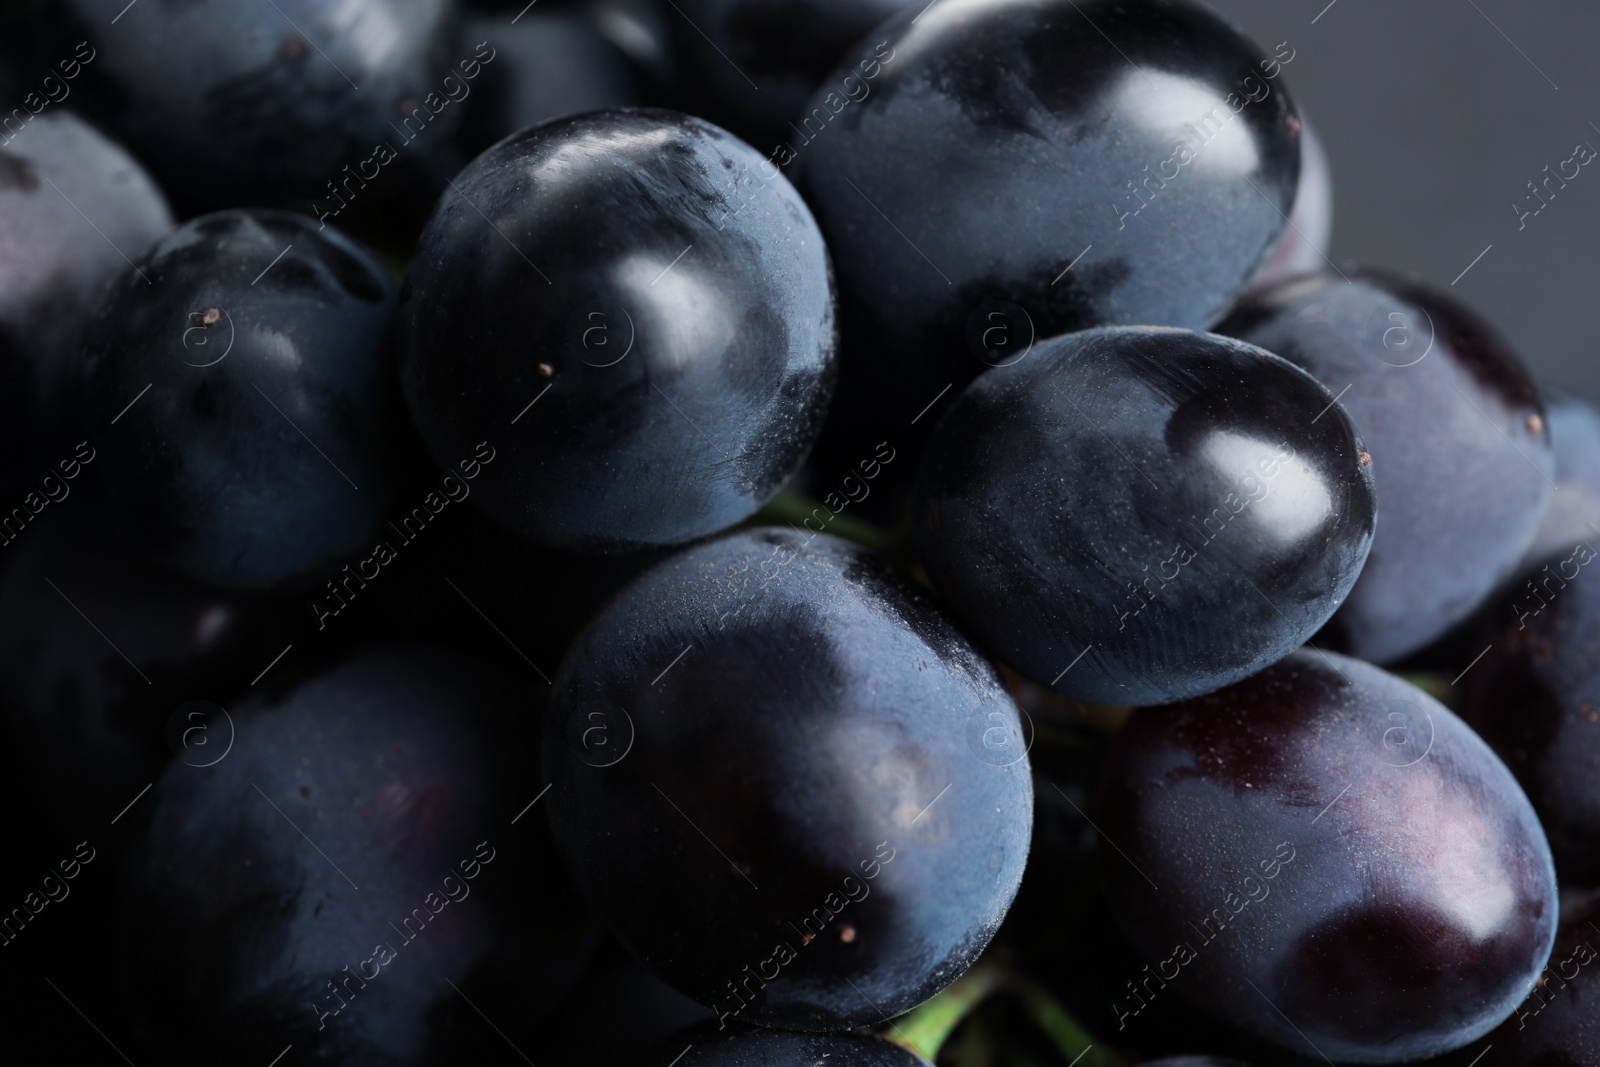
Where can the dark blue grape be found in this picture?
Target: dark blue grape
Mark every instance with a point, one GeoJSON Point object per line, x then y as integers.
{"type": "Point", "coordinates": [787, 782]}
{"type": "Point", "coordinates": [674, 302]}
{"type": "Point", "coordinates": [963, 156]}
{"type": "Point", "coordinates": [1140, 515]}
{"type": "Point", "coordinates": [351, 861]}
{"type": "Point", "coordinates": [54, 262]}
{"type": "Point", "coordinates": [1328, 857]}
{"type": "Point", "coordinates": [1442, 402]}
{"type": "Point", "coordinates": [240, 380]}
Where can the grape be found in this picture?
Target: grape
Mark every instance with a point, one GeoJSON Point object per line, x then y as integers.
{"type": "Point", "coordinates": [53, 264]}
{"type": "Point", "coordinates": [962, 157]}
{"type": "Point", "coordinates": [1574, 511]}
{"type": "Point", "coordinates": [1325, 856]}
{"type": "Point", "coordinates": [353, 858]}
{"type": "Point", "coordinates": [1137, 515]}
{"type": "Point", "coordinates": [1442, 403]}
{"type": "Point", "coordinates": [673, 300]}
{"type": "Point", "coordinates": [239, 379]}
{"type": "Point", "coordinates": [789, 785]}
{"type": "Point", "coordinates": [1061, 932]}
{"type": "Point", "coordinates": [1556, 1026]}
{"type": "Point", "coordinates": [275, 99]}
{"type": "Point", "coordinates": [457, 499]}
{"type": "Point", "coordinates": [1534, 697]}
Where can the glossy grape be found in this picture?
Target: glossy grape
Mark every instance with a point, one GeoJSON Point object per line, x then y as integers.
{"type": "Point", "coordinates": [963, 157]}
{"type": "Point", "coordinates": [674, 302]}
{"type": "Point", "coordinates": [1140, 515]}
{"type": "Point", "coordinates": [1061, 934]}
{"type": "Point", "coordinates": [351, 859]}
{"type": "Point", "coordinates": [1328, 857]}
{"type": "Point", "coordinates": [787, 782]}
{"type": "Point", "coordinates": [1535, 697]}
{"type": "Point", "coordinates": [54, 262]}
{"type": "Point", "coordinates": [1443, 403]}
{"type": "Point", "coordinates": [240, 381]}
{"type": "Point", "coordinates": [1556, 1026]}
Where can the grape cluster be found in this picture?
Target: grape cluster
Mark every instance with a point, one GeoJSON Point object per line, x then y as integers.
{"type": "Point", "coordinates": [804, 533]}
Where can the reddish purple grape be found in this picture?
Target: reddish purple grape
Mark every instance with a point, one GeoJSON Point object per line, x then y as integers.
{"type": "Point", "coordinates": [1574, 511]}
{"type": "Point", "coordinates": [1461, 455]}
{"type": "Point", "coordinates": [1535, 697]}
{"type": "Point", "coordinates": [1328, 857]}
{"type": "Point", "coordinates": [1557, 1025]}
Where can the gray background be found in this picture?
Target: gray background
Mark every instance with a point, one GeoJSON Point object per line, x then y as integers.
{"type": "Point", "coordinates": [1435, 123]}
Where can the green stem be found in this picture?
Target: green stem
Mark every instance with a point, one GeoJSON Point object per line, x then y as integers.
{"type": "Point", "coordinates": [925, 1028]}
{"type": "Point", "coordinates": [788, 507]}
{"type": "Point", "coordinates": [1435, 685]}
{"type": "Point", "coordinates": [1069, 1038]}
